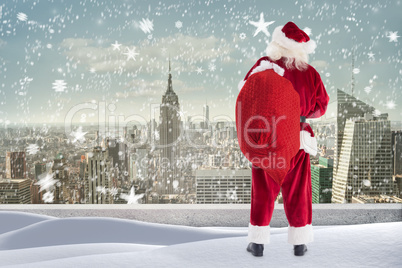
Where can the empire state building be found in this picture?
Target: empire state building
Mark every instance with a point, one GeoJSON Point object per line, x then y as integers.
{"type": "Point", "coordinates": [169, 129]}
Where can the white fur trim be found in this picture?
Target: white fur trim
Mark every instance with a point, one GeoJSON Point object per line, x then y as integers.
{"type": "Point", "coordinates": [241, 84]}
{"type": "Point", "coordinates": [300, 235]}
{"type": "Point", "coordinates": [308, 143]}
{"type": "Point", "coordinates": [264, 65]}
{"type": "Point", "coordinates": [258, 234]}
{"type": "Point", "coordinates": [280, 37]}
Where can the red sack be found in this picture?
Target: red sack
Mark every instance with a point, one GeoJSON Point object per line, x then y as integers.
{"type": "Point", "coordinates": [268, 121]}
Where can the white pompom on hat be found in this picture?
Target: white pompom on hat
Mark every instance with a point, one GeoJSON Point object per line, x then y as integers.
{"type": "Point", "coordinates": [293, 38]}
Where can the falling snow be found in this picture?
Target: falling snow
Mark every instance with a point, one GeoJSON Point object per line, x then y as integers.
{"type": "Point", "coordinates": [146, 25]}
{"type": "Point", "coordinates": [59, 85]}
{"type": "Point", "coordinates": [46, 181]}
{"type": "Point", "coordinates": [131, 53]}
{"type": "Point", "coordinates": [22, 16]}
{"type": "Point", "coordinates": [66, 61]}
{"type": "Point", "coordinates": [393, 36]}
{"type": "Point", "coordinates": [32, 148]}
{"type": "Point", "coordinates": [261, 25]}
{"type": "Point", "coordinates": [131, 198]}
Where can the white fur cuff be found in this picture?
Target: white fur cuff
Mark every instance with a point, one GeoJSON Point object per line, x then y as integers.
{"type": "Point", "coordinates": [258, 234]}
{"type": "Point", "coordinates": [308, 143]}
{"type": "Point", "coordinates": [300, 235]}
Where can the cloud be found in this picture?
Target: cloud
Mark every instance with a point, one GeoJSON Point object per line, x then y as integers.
{"type": "Point", "coordinates": [143, 88]}
{"type": "Point", "coordinates": [187, 52]}
{"type": "Point", "coordinates": [319, 64]}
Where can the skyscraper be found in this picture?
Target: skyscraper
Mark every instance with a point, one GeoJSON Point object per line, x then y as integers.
{"type": "Point", "coordinates": [347, 107]}
{"type": "Point", "coordinates": [223, 186]}
{"type": "Point", "coordinates": [206, 115]}
{"type": "Point", "coordinates": [15, 165]}
{"type": "Point", "coordinates": [397, 152]}
{"type": "Point", "coordinates": [60, 169]}
{"type": "Point", "coordinates": [169, 129]}
{"type": "Point", "coordinates": [99, 181]}
{"type": "Point", "coordinates": [365, 159]}
{"type": "Point", "coordinates": [15, 191]}
{"type": "Point", "coordinates": [321, 180]}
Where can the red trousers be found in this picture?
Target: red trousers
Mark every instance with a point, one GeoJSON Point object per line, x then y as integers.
{"type": "Point", "coordinates": [297, 201]}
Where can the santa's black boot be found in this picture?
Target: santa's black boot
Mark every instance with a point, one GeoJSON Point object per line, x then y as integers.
{"type": "Point", "coordinates": [255, 249]}
{"type": "Point", "coordinates": [300, 249]}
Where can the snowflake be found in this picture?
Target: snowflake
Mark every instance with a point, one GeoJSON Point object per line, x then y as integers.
{"type": "Point", "coordinates": [367, 90]}
{"type": "Point", "coordinates": [78, 135]}
{"type": "Point", "coordinates": [48, 197]}
{"type": "Point", "coordinates": [113, 191]}
{"type": "Point", "coordinates": [199, 70]}
{"type": "Point", "coordinates": [178, 24]}
{"type": "Point", "coordinates": [370, 55]}
{"type": "Point", "coordinates": [376, 112]}
{"type": "Point", "coordinates": [146, 25]}
{"type": "Point", "coordinates": [131, 53]}
{"type": "Point", "coordinates": [242, 36]}
{"type": "Point", "coordinates": [24, 85]}
{"type": "Point", "coordinates": [393, 36]}
{"type": "Point", "coordinates": [156, 133]}
{"type": "Point", "coordinates": [132, 198]}
{"type": "Point", "coordinates": [46, 181]}
{"type": "Point", "coordinates": [231, 194]}
{"type": "Point", "coordinates": [261, 25]}
{"type": "Point", "coordinates": [366, 183]}
{"type": "Point", "coordinates": [59, 85]}
{"type": "Point", "coordinates": [116, 45]}
{"type": "Point", "coordinates": [307, 30]}
{"type": "Point", "coordinates": [32, 148]}
{"type": "Point", "coordinates": [390, 104]}
{"type": "Point", "coordinates": [175, 184]}
{"type": "Point", "coordinates": [356, 70]}
{"type": "Point", "coordinates": [212, 67]}
{"type": "Point", "coordinates": [22, 16]}
{"type": "Point", "coordinates": [101, 189]}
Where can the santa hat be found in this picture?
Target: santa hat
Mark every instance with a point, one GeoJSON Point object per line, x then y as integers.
{"type": "Point", "coordinates": [293, 38]}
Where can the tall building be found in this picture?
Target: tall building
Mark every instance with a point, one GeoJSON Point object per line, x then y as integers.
{"type": "Point", "coordinates": [365, 159]}
{"type": "Point", "coordinates": [169, 130]}
{"type": "Point", "coordinates": [347, 107]}
{"type": "Point", "coordinates": [397, 152]}
{"type": "Point", "coordinates": [223, 186]}
{"type": "Point", "coordinates": [36, 195]}
{"type": "Point", "coordinates": [40, 168]}
{"type": "Point", "coordinates": [15, 191]}
{"type": "Point", "coordinates": [119, 152]}
{"type": "Point", "coordinates": [205, 113]}
{"type": "Point", "coordinates": [99, 181]}
{"type": "Point", "coordinates": [60, 169]}
{"type": "Point", "coordinates": [16, 165]}
{"type": "Point", "coordinates": [321, 180]}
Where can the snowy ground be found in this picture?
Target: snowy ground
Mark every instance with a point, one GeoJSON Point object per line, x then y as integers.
{"type": "Point", "coordinates": [31, 240]}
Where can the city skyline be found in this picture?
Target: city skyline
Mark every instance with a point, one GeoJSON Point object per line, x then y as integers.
{"type": "Point", "coordinates": [51, 64]}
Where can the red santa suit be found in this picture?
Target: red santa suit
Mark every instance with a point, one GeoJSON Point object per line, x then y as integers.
{"type": "Point", "coordinates": [296, 186]}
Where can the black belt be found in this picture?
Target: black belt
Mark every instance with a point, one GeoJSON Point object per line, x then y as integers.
{"type": "Point", "coordinates": [302, 119]}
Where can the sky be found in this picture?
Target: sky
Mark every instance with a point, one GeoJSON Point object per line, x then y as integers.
{"type": "Point", "coordinates": [64, 60]}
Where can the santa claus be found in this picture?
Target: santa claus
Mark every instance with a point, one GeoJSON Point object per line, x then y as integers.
{"type": "Point", "coordinates": [286, 61]}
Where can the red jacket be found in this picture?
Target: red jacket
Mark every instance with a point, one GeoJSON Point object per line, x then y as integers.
{"type": "Point", "coordinates": [313, 97]}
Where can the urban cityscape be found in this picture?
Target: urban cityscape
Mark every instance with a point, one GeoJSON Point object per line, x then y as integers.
{"type": "Point", "coordinates": [182, 160]}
